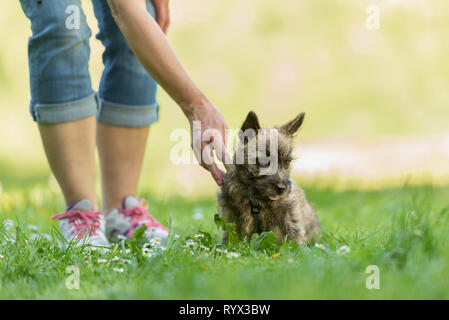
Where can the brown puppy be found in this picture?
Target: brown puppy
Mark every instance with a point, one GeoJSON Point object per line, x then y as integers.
{"type": "Point", "coordinates": [258, 196]}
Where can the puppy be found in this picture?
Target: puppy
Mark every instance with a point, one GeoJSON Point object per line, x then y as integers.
{"type": "Point", "coordinates": [259, 195]}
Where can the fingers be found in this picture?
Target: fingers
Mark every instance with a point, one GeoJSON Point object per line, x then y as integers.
{"type": "Point", "coordinates": [162, 14]}
{"type": "Point", "coordinates": [216, 173]}
{"type": "Point", "coordinates": [209, 162]}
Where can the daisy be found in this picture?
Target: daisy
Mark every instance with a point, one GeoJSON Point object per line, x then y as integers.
{"type": "Point", "coordinates": [320, 246]}
{"type": "Point", "coordinates": [101, 261]}
{"type": "Point", "coordinates": [46, 236]}
{"type": "Point", "coordinates": [231, 255]}
{"type": "Point", "coordinates": [7, 224]}
{"type": "Point", "coordinates": [197, 215]}
{"type": "Point", "coordinates": [155, 242]}
{"type": "Point", "coordinates": [148, 254]}
{"type": "Point", "coordinates": [343, 250]}
{"type": "Point", "coordinates": [190, 243]}
{"type": "Point", "coordinates": [32, 227]}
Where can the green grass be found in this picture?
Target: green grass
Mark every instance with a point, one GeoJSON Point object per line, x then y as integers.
{"type": "Point", "coordinates": [278, 58]}
{"type": "Point", "coordinates": [402, 231]}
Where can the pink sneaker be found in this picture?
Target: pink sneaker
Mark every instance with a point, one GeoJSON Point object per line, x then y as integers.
{"type": "Point", "coordinates": [121, 223]}
{"type": "Point", "coordinates": [83, 225]}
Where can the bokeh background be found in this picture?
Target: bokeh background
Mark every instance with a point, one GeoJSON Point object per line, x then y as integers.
{"type": "Point", "coordinates": [377, 101]}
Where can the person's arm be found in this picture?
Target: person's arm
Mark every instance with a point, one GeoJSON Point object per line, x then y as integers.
{"type": "Point", "coordinates": [150, 46]}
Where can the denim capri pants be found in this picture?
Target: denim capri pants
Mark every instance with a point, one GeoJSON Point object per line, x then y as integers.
{"type": "Point", "coordinates": [60, 83]}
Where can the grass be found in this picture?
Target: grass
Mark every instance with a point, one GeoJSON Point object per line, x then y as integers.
{"type": "Point", "coordinates": [402, 231]}
{"type": "Point", "coordinates": [279, 59]}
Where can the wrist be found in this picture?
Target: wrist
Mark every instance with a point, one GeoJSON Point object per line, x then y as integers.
{"type": "Point", "coordinates": [195, 107]}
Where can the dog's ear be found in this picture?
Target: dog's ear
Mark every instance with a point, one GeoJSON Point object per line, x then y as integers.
{"type": "Point", "coordinates": [249, 126]}
{"type": "Point", "coordinates": [293, 126]}
{"type": "Point", "coordinates": [251, 122]}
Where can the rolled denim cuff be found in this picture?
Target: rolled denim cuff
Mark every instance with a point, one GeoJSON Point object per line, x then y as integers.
{"type": "Point", "coordinates": [127, 115]}
{"type": "Point", "coordinates": [65, 112]}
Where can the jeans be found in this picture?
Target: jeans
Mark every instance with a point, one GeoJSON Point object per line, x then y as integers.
{"type": "Point", "coordinates": [60, 83]}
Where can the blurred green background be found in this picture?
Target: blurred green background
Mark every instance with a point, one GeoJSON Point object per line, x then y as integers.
{"type": "Point", "coordinates": [276, 57]}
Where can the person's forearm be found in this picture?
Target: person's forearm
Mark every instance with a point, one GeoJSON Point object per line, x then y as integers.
{"type": "Point", "coordinates": [154, 52]}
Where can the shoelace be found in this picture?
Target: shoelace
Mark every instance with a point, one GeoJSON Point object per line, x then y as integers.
{"type": "Point", "coordinates": [82, 221]}
{"type": "Point", "coordinates": [138, 214]}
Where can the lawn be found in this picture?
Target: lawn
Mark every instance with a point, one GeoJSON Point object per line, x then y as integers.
{"type": "Point", "coordinates": [401, 231]}
{"type": "Point", "coordinates": [278, 58]}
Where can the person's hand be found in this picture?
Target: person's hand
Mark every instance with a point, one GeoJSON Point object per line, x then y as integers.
{"type": "Point", "coordinates": [210, 118]}
{"type": "Point", "coordinates": [162, 13]}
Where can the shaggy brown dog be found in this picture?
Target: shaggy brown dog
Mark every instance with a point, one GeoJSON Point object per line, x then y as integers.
{"type": "Point", "coordinates": [257, 202]}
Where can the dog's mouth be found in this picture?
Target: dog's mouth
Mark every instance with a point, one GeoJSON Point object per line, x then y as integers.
{"type": "Point", "coordinates": [277, 191]}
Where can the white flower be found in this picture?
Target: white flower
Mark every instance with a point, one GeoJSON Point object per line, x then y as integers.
{"type": "Point", "coordinates": [127, 261]}
{"type": "Point", "coordinates": [121, 237]}
{"type": "Point", "coordinates": [343, 250]}
{"type": "Point", "coordinates": [190, 244]}
{"type": "Point", "coordinates": [148, 254]}
{"type": "Point", "coordinates": [155, 242]}
{"type": "Point", "coordinates": [197, 215]}
{"type": "Point", "coordinates": [34, 236]}
{"type": "Point", "coordinates": [176, 236]}
{"type": "Point", "coordinates": [7, 224]}
{"type": "Point", "coordinates": [32, 227]}
{"type": "Point", "coordinates": [199, 236]}
{"type": "Point", "coordinates": [231, 255]}
{"type": "Point", "coordinates": [120, 270]}
{"type": "Point", "coordinates": [115, 259]}
{"type": "Point", "coordinates": [1, 257]}
{"type": "Point", "coordinates": [46, 236]}
{"type": "Point", "coordinates": [320, 246]}
{"type": "Point", "coordinates": [204, 248]}
{"type": "Point", "coordinates": [101, 261]}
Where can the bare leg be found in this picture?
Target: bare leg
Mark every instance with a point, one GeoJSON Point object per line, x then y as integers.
{"type": "Point", "coordinates": [70, 150]}
{"type": "Point", "coordinates": [121, 151]}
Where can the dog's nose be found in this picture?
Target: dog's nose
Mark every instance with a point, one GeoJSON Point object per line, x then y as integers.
{"type": "Point", "coordinates": [281, 187]}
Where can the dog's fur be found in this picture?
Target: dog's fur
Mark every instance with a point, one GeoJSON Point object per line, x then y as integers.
{"type": "Point", "coordinates": [290, 216]}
